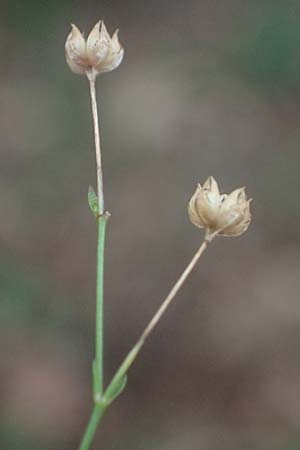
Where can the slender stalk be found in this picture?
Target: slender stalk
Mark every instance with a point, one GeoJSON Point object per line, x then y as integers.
{"type": "Point", "coordinates": [92, 82]}
{"type": "Point", "coordinates": [102, 219]}
{"type": "Point", "coordinates": [170, 297]}
{"type": "Point", "coordinates": [99, 406]}
{"type": "Point", "coordinates": [129, 359]}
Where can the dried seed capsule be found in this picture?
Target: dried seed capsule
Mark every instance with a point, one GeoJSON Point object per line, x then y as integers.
{"type": "Point", "coordinates": [227, 215]}
{"type": "Point", "coordinates": [100, 53]}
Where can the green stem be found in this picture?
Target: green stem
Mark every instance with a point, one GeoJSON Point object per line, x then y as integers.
{"type": "Point", "coordinates": [99, 407]}
{"type": "Point", "coordinates": [99, 307]}
{"type": "Point", "coordinates": [92, 426]}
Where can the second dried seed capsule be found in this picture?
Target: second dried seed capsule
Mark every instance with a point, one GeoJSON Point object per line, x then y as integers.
{"type": "Point", "coordinates": [227, 215]}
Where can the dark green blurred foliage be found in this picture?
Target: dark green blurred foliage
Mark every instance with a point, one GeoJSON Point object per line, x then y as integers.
{"type": "Point", "coordinates": [268, 53]}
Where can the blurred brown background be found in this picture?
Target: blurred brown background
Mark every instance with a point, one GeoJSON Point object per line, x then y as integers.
{"type": "Point", "coordinates": [206, 88]}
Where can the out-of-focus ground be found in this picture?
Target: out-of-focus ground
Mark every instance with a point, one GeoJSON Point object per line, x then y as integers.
{"type": "Point", "coordinates": [206, 88]}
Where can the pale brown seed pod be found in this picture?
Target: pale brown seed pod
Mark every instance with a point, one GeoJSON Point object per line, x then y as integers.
{"type": "Point", "coordinates": [227, 215]}
{"type": "Point", "coordinates": [100, 53]}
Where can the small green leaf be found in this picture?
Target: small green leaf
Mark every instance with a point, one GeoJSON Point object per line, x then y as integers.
{"type": "Point", "coordinates": [93, 201]}
{"type": "Point", "coordinates": [116, 389]}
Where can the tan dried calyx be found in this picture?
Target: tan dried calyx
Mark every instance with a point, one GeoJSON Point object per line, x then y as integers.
{"type": "Point", "coordinates": [227, 215]}
{"type": "Point", "coordinates": [99, 53]}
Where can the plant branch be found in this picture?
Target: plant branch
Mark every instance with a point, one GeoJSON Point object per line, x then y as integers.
{"type": "Point", "coordinates": [170, 297]}
{"type": "Point", "coordinates": [99, 406]}
{"type": "Point", "coordinates": [130, 358]}
{"type": "Point", "coordinates": [92, 82]}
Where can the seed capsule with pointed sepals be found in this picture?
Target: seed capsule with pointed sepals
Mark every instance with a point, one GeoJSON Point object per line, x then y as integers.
{"type": "Point", "coordinates": [227, 215]}
{"type": "Point", "coordinates": [75, 49]}
{"type": "Point", "coordinates": [100, 53]}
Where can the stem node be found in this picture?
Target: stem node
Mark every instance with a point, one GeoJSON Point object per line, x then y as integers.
{"type": "Point", "coordinates": [104, 216]}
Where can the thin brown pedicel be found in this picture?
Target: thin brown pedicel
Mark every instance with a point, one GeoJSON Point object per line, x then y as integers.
{"type": "Point", "coordinates": [92, 82]}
